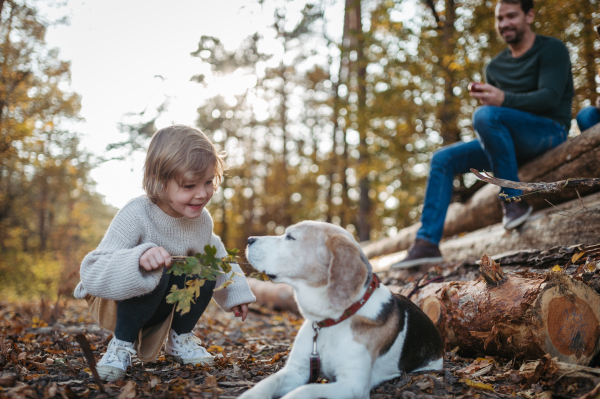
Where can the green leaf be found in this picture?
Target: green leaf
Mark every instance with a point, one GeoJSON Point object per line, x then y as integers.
{"type": "Point", "coordinates": [210, 250]}
{"type": "Point", "coordinates": [183, 297]}
{"type": "Point", "coordinates": [233, 252]}
{"type": "Point", "coordinates": [199, 268]}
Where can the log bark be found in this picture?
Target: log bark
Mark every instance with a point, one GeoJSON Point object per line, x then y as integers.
{"type": "Point", "coordinates": [525, 317]}
{"type": "Point", "coordinates": [388, 245]}
{"type": "Point", "coordinates": [576, 158]}
{"type": "Point", "coordinates": [577, 223]}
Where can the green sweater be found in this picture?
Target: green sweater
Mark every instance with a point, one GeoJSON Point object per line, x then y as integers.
{"type": "Point", "coordinates": [539, 81]}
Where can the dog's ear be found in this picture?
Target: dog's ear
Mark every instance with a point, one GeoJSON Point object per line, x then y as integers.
{"type": "Point", "coordinates": [347, 271]}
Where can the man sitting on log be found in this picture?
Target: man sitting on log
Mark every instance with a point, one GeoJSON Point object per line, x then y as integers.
{"type": "Point", "coordinates": [526, 110]}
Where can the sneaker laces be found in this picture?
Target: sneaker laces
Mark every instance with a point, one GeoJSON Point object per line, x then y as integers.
{"type": "Point", "coordinates": [120, 353]}
{"type": "Point", "coordinates": [190, 343]}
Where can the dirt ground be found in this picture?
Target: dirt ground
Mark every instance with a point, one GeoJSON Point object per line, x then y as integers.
{"type": "Point", "coordinates": [40, 358]}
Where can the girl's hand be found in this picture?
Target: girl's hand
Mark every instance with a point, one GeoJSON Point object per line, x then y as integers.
{"type": "Point", "coordinates": [155, 258]}
{"type": "Point", "coordinates": [240, 311]}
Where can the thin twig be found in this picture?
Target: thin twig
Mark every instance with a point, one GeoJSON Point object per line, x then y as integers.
{"type": "Point", "coordinates": [89, 356]}
{"type": "Point", "coordinates": [571, 214]}
{"type": "Point", "coordinates": [537, 187]}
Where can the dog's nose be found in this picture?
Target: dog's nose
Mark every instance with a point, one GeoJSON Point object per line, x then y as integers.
{"type": "Point", "coordinates": [251, 240]}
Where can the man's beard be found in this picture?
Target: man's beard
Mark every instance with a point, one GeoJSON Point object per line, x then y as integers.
{"type": "Point", "coordinates": [518, 36]}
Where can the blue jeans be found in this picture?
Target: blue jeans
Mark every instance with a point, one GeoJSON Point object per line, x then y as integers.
{"type": "Point", "coordinates": [588, 117]}
{"type": "Point", "coordinates": [506, 138]}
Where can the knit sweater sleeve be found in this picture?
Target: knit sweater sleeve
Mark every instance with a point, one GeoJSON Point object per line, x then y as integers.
{"type": "Point", "coordinates": [554, 66]}
{"type": "Point", "coordinates": [112, 271]}
{"type": "Point", "coordinates": [237, 293]}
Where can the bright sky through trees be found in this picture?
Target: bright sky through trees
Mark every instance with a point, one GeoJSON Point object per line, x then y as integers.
{"type": "Point", "coordinates": [128, 56]}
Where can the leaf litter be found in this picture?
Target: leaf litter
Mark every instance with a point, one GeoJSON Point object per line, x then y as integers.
{"type": "Point", "coordinates": [40, 358]}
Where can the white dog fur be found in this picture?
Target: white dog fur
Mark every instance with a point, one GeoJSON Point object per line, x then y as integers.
{"type": "Point", "coordinates": [389, 335]}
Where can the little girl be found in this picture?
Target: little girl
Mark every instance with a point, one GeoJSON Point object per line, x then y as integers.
{"type": "Point", "coordinates": [124, 280]}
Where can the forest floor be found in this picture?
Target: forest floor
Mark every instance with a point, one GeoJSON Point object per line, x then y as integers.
{"type": "Point", "coordinates": [40, 358]}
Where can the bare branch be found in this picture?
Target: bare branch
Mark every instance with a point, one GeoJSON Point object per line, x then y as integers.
{"type": "Point", "coordinates": [552, 187]}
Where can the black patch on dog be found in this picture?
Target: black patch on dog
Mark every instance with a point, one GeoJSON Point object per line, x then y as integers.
{"type": "Point", "coordinates": [191, 252]}
{"type": "Point", "coordinates": [388, 308]}
{"type": "Point", "coordinates": [423, 342]}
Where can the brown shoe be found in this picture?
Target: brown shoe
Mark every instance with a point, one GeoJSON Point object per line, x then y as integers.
{"type": "Point", "coordinates": [421, 252]}
{"type": "Point", "coordinates": [515, 214]}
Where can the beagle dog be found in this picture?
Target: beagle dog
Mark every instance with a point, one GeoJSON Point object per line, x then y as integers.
{"type": "Point", "coordinates": [356, 333]}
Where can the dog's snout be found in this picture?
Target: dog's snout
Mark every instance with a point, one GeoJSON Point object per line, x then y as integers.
{"type": "Point", "coordinates": [251, 240]}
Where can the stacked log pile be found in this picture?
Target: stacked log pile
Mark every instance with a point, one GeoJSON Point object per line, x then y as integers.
{"type": "Point", "coordinates": [577, 157]}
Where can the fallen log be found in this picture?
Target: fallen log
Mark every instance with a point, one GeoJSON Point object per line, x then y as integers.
{"type": "Point", "coordinates": [522, 316]}
{"type": "Point", "coordinates": [278, 297]}
{"type": "Point", "coordinates": [577, 222]}
{"type": "Point", "coordinates": [575, 158]}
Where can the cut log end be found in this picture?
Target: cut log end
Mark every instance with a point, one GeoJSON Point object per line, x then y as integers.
{"type": "Point", "coordinates": [525, 317]}
{"type": "Point", "coordinates": [432, 308]}
{"type": "Point", "coordinates": [571, 320]}
{"type": "Point", "coordinates": [572, 327]}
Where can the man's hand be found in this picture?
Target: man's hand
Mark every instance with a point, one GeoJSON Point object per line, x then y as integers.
{"type": "Point", "coordinates": [598, 102]}
{"type": "Point", "coordinates": [488, 94]}
{"type": "Point", "coordinates": [240, 311]}
{"type": "Point", "coordinates": [154, 258]}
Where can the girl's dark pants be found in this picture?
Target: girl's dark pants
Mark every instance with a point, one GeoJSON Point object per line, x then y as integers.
{"type": "Point", "coordinates": [150, 309]}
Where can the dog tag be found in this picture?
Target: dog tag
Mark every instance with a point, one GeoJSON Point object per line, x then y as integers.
{"type": "Point", "coordinates": [315, 359]}
{"type": "Point", "coordinates": [315, 367]}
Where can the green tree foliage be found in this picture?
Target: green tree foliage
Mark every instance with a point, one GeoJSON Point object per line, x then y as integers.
{"type": "Point", "coordinates": [49, 215]}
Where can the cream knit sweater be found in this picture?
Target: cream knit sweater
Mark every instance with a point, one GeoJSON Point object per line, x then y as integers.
{"type": "Point", "coordinates": [112, 271]}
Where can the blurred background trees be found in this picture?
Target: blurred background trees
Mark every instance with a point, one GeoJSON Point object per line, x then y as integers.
{"type": "Point", "coordinates": [50, 216]}
{"type": "Point", "coordinates": [346, 128]}
{"type": "Point", "coordinates": [332, 127]}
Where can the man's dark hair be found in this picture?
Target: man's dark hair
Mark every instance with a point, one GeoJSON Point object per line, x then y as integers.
{"type": "Point", "coordinates": [526, 5]}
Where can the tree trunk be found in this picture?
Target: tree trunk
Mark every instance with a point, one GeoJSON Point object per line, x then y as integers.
{"type": "Point", "coordinates": [365, 204]}
{"type": "Point", "coordinates": [525, 316]}
{"type": "Point", "coordinates": [286, 216]}
{"type": "Point", "coordinates": [577, 157]}
{"type": "Point", "coordinates": [448, 110]}
{"type": "Point", "coordinates": [587, 51]}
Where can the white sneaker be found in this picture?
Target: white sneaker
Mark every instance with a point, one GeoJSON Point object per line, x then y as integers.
{"type": "Point", "coordinates": [115, 361]}
{"type": "Point", "coordinates": [186, 349]}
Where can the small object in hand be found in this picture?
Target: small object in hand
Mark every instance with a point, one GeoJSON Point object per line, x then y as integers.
{"type": "Point", "coordinates": [475, 87]}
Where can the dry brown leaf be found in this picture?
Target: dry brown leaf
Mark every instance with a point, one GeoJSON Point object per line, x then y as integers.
{"type": "Point", "coordinates": [128, 391]}
{"type": "Point", "coordinates": [50, 390]}
{"type": "Point", "coordinates": [8, 381]}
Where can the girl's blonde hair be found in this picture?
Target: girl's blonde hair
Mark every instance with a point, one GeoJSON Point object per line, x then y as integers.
{"type": "Point", "coordinates": [181, 153]}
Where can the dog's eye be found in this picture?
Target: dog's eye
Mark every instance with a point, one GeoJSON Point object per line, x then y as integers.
{"type": "Point", "coordinates": [289, 237]}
